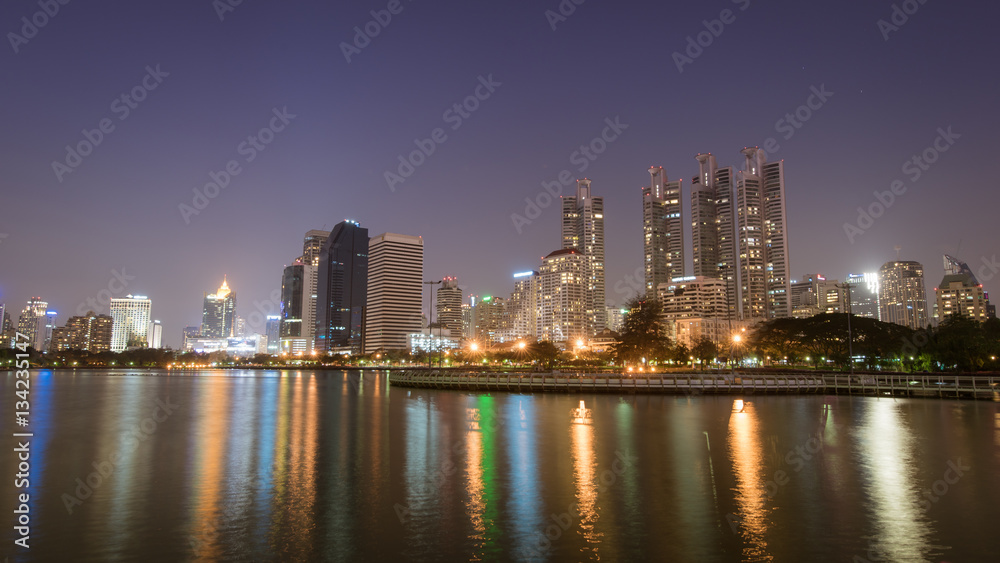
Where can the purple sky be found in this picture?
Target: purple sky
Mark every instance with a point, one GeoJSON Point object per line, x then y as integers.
{"type": "Point", "coordinates": [118, 209]}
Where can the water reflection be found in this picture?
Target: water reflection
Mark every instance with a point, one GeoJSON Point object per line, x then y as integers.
{"type": "Point", "coordinates": [886, 452]}
{"type": "Point", "coordinates": [585, 479]}
{"type": "Point", "coordinates": [746, 454]}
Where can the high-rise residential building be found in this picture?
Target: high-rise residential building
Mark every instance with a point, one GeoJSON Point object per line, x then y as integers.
{"type": "Point", "coordinates": [449, 305]}
{"type": "Point", "coordinates": [491, 323]}
{"type": "Point", "coordinates": [272, 329]}
{"type": "Point", "coordinates": [563, 311]}
{"type": "Point", "coordinates": [130, 318]}
{"type": "Point", "coordinates": [522, 309]}
{"type": "Point", "coordinates": [663, 230]}
{"type": "Point", "coordinates": [342, 289]}
{"type": "Point", "coordinates": [960, 295]}
{"type": "Point", "coordinates": [154, 335]}
{"type": "Point", "coordinates": [395, 289]}
{"type": "Point", "coordinates": [695, 307]}
{"type": "Point", "coordinates": [312, 246]}
{"type": "Point", "coordinates": [616, 318]}
{"type": "Point", "coordinates": [864, 294]}
{"type": "Point", "coordinates": [46, 325]}
{"type": "Point", "coordinates": [902, 297]}
{"type": "Point", "coordinates": [713, 227]}
{"type": "Point", "coordinates": [298, 308]}
{"type": "Point", "coordinates": [468, 320]}
{"type": "Point", "coordinates": [28, 322]}
{"type": "Point", "coordinates": [762, 235]}
{"type": "Point", "coordinates": [218, 318]}
{"type": "Point", "coordinates": [90, 332]}
{"type": "Point", "coordinates": [583, 230]}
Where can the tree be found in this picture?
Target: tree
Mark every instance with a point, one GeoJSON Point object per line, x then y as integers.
{"type": "Point", "coordinates": [705, 350]}
{"type": "Point", "coordinates": [545, 352]}
{"type": "Point", "coordinates": [642, 335]}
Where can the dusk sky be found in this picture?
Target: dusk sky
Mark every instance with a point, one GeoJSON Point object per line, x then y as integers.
{"type": "Point", "coordinates": [64, 234]}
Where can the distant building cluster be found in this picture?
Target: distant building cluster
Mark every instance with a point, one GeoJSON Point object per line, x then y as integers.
{"type": "Point", "coordinates": [350, 293]}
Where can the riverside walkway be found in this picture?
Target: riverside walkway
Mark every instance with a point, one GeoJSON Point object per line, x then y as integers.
{"type": "Point", "coordinates": [907, 385]}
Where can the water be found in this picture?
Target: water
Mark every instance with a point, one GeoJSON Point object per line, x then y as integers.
{"type": "Point", "coordinates": [270, 466]}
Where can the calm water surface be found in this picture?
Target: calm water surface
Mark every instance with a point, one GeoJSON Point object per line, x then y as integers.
{"type": "Point", "coordinates": [338, 466]}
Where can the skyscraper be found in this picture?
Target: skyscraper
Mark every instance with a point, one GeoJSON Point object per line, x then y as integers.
{"type": "Point", "coordinates": [154, 335]}
{"type": "Point", "coordinates": [522, 310]}
{"type": "Point", "coordinates": [218, 317]}
{"type": "Point", "coordinates": [864, 294]}
{"type": "Point", "coordinates": [449, 306]}
{"type": "Point", "coordinates": [342, 289]}
{"type": "Point", "coordinates": [583, 230]}
{"type": "Point", "coordinates": [272, 329]}
{"type": "Point", "coordinates": [130, 322]}
{"type": "Point", "coordinates": [713, 227]}
{"type": "Point", "coordinates": [298, 308]}
{"type": "Point", "coordinates": [663, 230]}
{"type": "Point", "coordinates": [312, 246]}
{"type": "Point", "coordinates": [902, 298]}
{"type": "Point", "coordinates": [563, 310]}
{"type": "Point", "coordinates": [960, 295]}
{"type": "Point", "coordinates": [762, 235]}
{"type": "Point", "coordinates": [395, 289]}
{"type": "Point", "coordinates": [28, 322]}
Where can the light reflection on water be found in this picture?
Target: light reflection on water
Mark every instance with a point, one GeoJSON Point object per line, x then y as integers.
{"type": "Point", "coordinates": [338, 466]}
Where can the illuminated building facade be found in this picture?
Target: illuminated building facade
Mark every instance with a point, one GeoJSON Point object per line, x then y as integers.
{"type": "Point", "coordinates": [902, 297]}
{"type": "Point", "coordinates": [130, 322]}
{"type": "Point", "coordinates": [342, 289]}
{"type": "Point", "coordinates": [583, 231]}
{"type": "Point", "coordinates": [218, 317]}
{"type": "Point", "coordinates": [663, 230]}
{"type": "Point", "coordinates": [395, 291]}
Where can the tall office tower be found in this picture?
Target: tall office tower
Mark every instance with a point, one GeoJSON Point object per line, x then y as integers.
{"type": "Point", "coordinates": [90, 332]}
{"type": "Point", "coordinates": [583, 230]}
{"type": "Point", "coordinates": [130, 318]}
{"type": "Point", "coordinates": [449, 305]}
{"type": "Point", "coordinates": [395, 289]}
{"type": "Point", "coordinates": [28, 321]}
{"type": "Point", "coordinates": [954, 266]}
{"type": "Point", "coordinates": [46, 324]}
{"type": "Point", "coordinates": [298, 308]}
{"type": "Point", "coordinates": [312, 246]}
{"type": "Point", "coordinates": [190, 333]}
{"type": "Point", "coordinates": [522, 310]}
{"type": "Point", "coordinates": [864, 294]}
{"type": "Point", "coordinates": [468, 320]}
{"type": "Point", "coordinates": [902, 298]}
{"type": "Point", "coordinates": [564, 297]}
{"type": "Point", "coordinates": [762, 238]}
{"type": "Point", "coordinates": [154, 335]}
{"type": "Point", "coordinates": [342, 289]}
{"type": "Point", "coordinates": [218, 317]}
{"type": "Point", "coordinates": [960, 295]}
{"type": "Point", "coordinates": [713, 227]}
{"type": "Point", "coordinates": [663, 230]}
{"type": "Point", "coordinates": [272, 329]}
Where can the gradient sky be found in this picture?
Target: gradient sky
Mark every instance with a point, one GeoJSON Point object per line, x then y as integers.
{"type": "Point", "coordinates": [119, 208]}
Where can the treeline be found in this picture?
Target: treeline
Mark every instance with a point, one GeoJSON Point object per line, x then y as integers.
{"type": "Point", "coordinates": [958, 344]}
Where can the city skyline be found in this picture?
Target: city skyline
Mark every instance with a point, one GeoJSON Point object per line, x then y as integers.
{"type": "Point", "coordinates": [846, 75]}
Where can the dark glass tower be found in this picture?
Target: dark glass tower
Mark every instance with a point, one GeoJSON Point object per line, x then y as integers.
{"type": "Point", "coordinates": [342, 289]}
